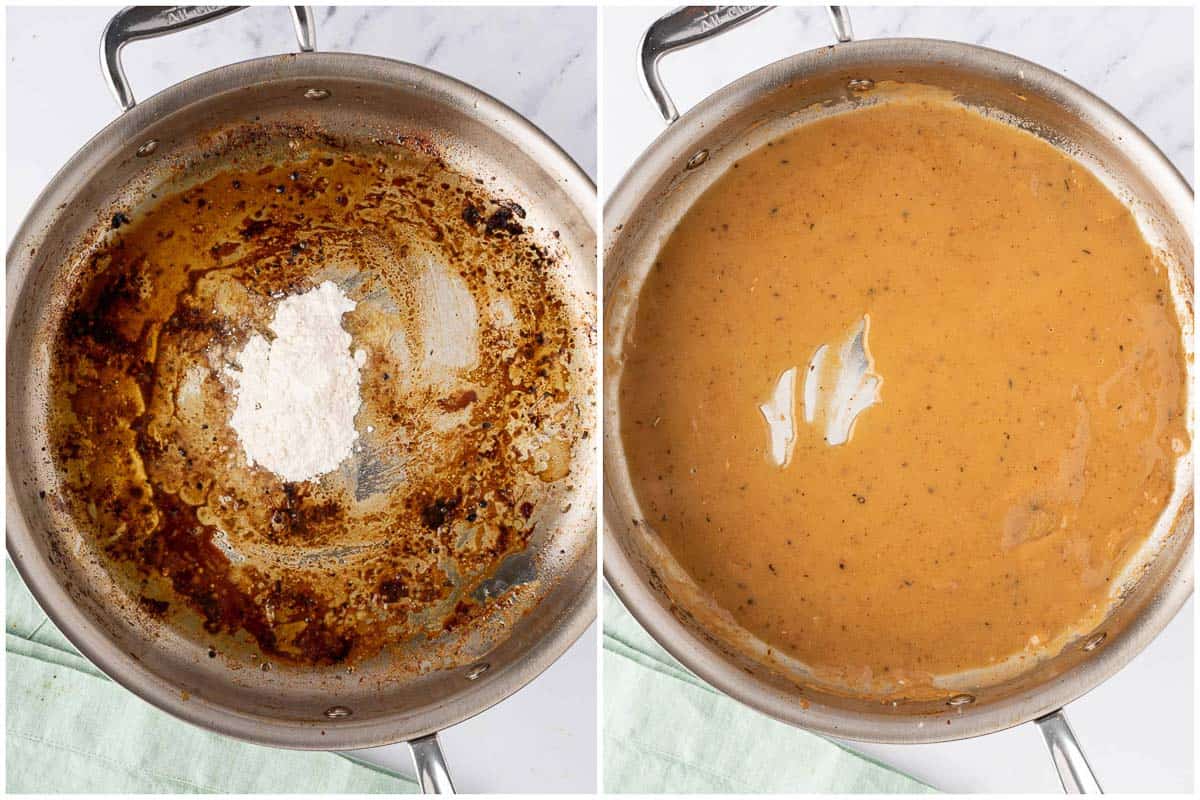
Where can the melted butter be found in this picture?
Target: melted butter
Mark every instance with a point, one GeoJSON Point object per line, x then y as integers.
{"type": "Point", "coordinates": [840, 384]}
{"type": "Point", "coordinates": [1034, 407]}
{"type": "Point", "coordinates": [780, 415]}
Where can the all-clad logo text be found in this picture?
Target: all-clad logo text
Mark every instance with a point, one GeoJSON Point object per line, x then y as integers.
{"type": "Point", "coordinates": [178, 14]}
{"type": "Point", "coordinates": [722, 15]}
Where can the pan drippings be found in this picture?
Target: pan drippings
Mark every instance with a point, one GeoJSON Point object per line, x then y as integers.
{"type": "Point", "coordinates": [466, 417]}
{"type": "Point", "coordinates": [1011, 380]}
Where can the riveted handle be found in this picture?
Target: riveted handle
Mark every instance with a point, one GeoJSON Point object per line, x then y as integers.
{"type": "Point", "coordinates": [1072, 765]}
{"type": "Point", "coordinates": [430, 765]}
{"type": "Point", "coordinates": [135, 23]}
{"type": "Point", "coordinates": [691, 25]}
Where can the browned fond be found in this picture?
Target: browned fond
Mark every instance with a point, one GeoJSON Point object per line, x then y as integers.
{"type": "Point", "coordinates": [451, 466]}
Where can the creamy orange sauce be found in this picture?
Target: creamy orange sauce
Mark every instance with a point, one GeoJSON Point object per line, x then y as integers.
{"type": "Point", "coordinates": [1027, 418]}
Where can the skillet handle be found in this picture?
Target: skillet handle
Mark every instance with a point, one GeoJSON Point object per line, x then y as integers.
{"type": "Point", "coordinates": [430, 765]}
{"type": "Point", "coordinates": [134, 23]}
{"type": "Point", "coordinates": [691, 25]}
{"type": "Point", "coordinates": [1073, 768]}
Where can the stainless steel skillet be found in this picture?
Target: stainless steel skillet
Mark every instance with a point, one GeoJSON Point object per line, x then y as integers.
{"type": "Point", "coordinates": [644, 209]}
{"type": "Point", "coordinates": [357, 98]}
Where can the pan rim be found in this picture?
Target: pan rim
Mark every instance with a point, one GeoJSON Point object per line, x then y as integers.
{"type": "Point", "coordinates": [36, 570]}
{"type": "Point", "coordinates": [619, 569]}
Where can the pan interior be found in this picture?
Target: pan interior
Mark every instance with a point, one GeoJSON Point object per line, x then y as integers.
{"type": "Point", "coordinates": [449, 546]}
{"type": "Point", "coordinates": [743, 118]}
{"type": "Point", "coordinates": [465, 427]}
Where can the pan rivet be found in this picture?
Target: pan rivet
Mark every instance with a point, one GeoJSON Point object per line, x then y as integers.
{"type": "Point", "coordinates": [316, 94]}
{"type": "Point", "coordinates": [474, 672]}
{"type": "Point", "coordinates": [697, 159]}
{"type": "Point", "coordinates": [1094, 641]}
{"type": "Point", "coordinates": [860, 84]}
{"type": "Point", "coordinates": [337, 712]}
{"type": "Point", "coordinates": [147, 148]}
{"type": "Point", "coordinates": [961, 700]}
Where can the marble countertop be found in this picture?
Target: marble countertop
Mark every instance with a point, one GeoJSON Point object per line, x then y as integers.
{"type": "Point", "coordinates": [1137, 727]}
{"type": "Point", "coordinates": [1137, 59]}
{"type": "Point", "coordinates": [540, 61]}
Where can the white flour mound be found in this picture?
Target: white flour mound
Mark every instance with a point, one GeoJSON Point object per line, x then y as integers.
{"type": "Point", "coordinates": [297, 395]}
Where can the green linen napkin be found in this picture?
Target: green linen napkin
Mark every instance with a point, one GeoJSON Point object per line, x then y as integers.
{"type": "Point", "coordinates": [665, 730]}
{"type": "Point", "coordinates": [70, 729]}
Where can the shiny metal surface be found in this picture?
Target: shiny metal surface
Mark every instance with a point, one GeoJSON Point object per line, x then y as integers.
{"type": "Point", "coordinates": [842, 29]}
{"type": "Point", "coordinates": [135, 23]}
{"type": "Point", "coordinates": [682, 28]}
{"type": "Point", "coordinates": [642, 212]}
{"type": "Point", "coordinates": [357, 98]}
{"type": "Point", "coordinates": [1073, 768]}
{"type": "Point", "coordinates": [305, 24]}
{"type": "Point", "coordinates": [430, 765]}
{"type": "Point", "coordinates": [690, 25]}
